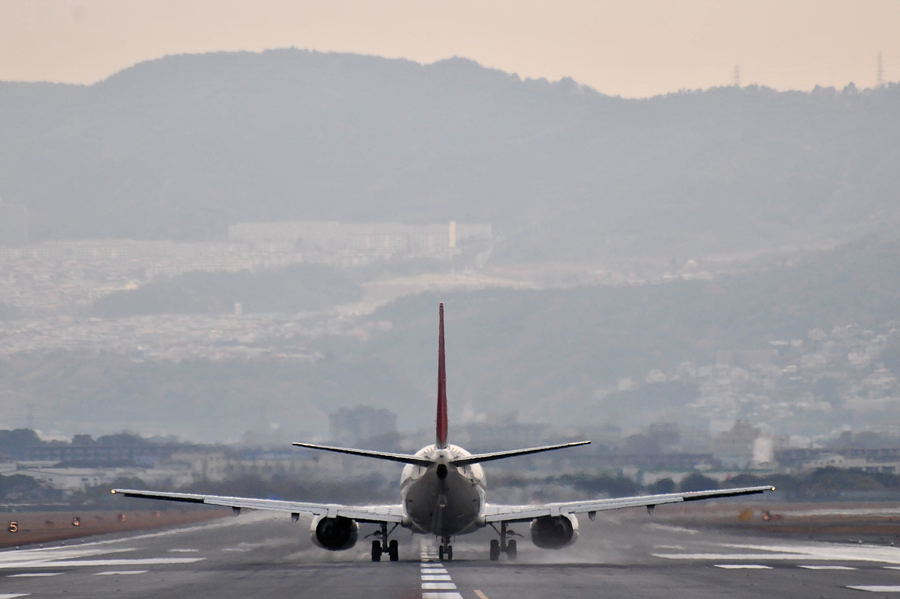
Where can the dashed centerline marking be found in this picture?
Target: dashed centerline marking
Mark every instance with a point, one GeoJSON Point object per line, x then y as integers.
{"type": "Point", "coordinates": [118, 572]}
{"type": "Point", "coordinates": [875, 588]}
{"type": "Point", "coordinates": [33, 574]}
{"type": "Point", "coordinates": [827, 567]}
{"type": "Point", "coordinates": [742, 566]}
{"type": "Point", "coordinates": [480, 594]}
{"type": "Point", "coordinates": [13, 595]}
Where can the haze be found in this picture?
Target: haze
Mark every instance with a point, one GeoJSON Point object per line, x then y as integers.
{"type": "Point", "coordinates": [633, 49]}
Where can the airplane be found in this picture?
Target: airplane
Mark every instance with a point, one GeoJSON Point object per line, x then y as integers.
{"type": "Point", "coordinates": [442, 492]}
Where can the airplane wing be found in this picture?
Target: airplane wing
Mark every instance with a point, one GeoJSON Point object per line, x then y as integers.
{"type": "Point", "coordinates": [523, 513]}
{"type": "Point", "coordinates": [360, 513]}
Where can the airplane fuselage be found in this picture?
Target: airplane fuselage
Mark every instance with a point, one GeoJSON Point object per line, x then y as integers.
{"type": "Point", "coordinates": [443, 499]}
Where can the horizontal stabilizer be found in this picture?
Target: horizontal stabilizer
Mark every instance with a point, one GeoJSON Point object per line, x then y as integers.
{"type": "Point", "coordinates": [379, 455]}
{"type": "Point", "coordinates": [500, 455]}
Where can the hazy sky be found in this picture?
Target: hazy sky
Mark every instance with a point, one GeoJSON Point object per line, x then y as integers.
{"type": "Point", "coordinates": [627, 47]}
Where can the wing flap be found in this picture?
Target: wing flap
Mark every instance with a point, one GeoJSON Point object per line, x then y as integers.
{"type": "Point", "coordinates": [520, 513]}
{"type": "Point", "coordinates": [361, 513]}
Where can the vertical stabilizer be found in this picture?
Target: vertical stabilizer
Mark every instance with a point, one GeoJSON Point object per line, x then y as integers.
{"type": "Point", "coordinates": [441, 429]}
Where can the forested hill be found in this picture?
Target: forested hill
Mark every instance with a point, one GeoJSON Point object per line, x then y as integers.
{"type": "Point", "coordinates": [179, 147]}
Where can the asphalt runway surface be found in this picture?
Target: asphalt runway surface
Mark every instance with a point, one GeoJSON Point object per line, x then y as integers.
{"type": "Point", "coordinates": [619, 555]}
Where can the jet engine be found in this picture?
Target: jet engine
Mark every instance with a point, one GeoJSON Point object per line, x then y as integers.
{"type": "Point", "coordinates": [554, 532]}
{"type": "Point", "coordinates": [334, 534]}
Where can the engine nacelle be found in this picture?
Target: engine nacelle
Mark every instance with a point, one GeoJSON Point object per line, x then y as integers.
{"type": "Point", "coordinates": [334, 534]}
{"type": "Point", "coordinates": [554, 532]}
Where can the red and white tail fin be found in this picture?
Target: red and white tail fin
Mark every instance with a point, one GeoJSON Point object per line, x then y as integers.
{"type": "Point", "coordinates": [441, 428]}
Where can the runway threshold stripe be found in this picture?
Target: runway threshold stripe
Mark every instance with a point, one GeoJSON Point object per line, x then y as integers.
{"type": "Point", "coordinates": [875, 588]}
{"type": "Point", "coordinates": [437, 586]}
{"type": "Point", "coordinates": [436, 581]}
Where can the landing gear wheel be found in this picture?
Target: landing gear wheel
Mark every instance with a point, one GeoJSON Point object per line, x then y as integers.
{"type": "Point", "coordinates": [394, 550]}
{"type": "Point", "coordinates": [376, 551]}
{"type": "Point", "coordinates": [441, 553]}
{"type": "Point", "coordinates": [449, 553]}
{"type": "Point", "coordinates": [495, 550]}
{"type": "Point", "coordinates": [511, 550]}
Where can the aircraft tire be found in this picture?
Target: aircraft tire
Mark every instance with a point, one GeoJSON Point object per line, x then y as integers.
{"type": "Point", "coordinates": [394, 550]}
{"type": "Point", "coordinates": [376, 551]}
{"type": "Point", "coordinates": [449, 553]}
{"type": "Point", "coordinates": [441, 553]}
{"type": "Point", "coordinates": [511, 550]}
{"type": "Point", "coordinates": [495, 550]}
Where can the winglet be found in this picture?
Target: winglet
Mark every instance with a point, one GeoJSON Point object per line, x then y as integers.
{"type": "Point", "coordinates": [441, 428]}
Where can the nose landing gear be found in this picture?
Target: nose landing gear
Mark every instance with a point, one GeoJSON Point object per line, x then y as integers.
{"type": "Point", "coordinates": [445, 551]}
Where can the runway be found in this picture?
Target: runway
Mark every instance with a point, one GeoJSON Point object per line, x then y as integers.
{"type": "Point", "coordinates": [620, 555]}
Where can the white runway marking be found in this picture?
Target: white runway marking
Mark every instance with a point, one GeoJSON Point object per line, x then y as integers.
{"type": "Point", "coordinates": [434, 586]}
{"type": "Point", "coordinates": [875, 588]}
{"type": "Point", "coordinates": [436, 582]}
{"type": "Point", "coordinates": [33, 574]}
{"type": "Point", "coordinates": [827, 567]}
{"type": "Point", "coordinates": [741, 556]}
{"type": "Point", "coordinates": [13, 595]}
{"type": "Point", "coordinates": [670, 528]}
{"type": "Point", "coordinates": [832, 552]}
{"type": "Point", "coordinates": [743, 567]}
{"type": "Point", "coordinates": [53, 554]}
{"type": "Point", "coordinates": [118, 572]}
{"type": "Point", "coordinates": [184, 551]}
{"type": "Point", "coordinates": [249, 519]}
{"type": "Point", "coordinates": [85, 563]}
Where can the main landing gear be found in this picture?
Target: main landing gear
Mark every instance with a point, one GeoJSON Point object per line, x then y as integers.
{"type": "Point", "coordinates": [445, 551]}
{"type": "Point", "coordinates": [392, 548]}
{"type": "Point", "coordinates": [503, 545]}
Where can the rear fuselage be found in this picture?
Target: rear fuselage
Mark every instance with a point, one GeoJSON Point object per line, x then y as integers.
{"type": "Point", "coordinates": [443, 499]}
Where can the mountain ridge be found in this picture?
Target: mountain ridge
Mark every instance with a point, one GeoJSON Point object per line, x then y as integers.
{"type": "Point", "coordinates": [180, 147]}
